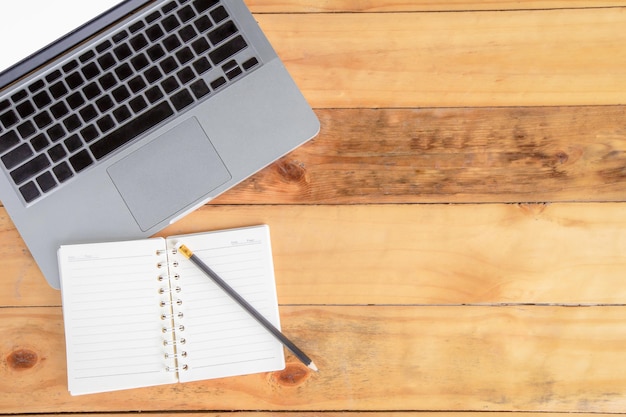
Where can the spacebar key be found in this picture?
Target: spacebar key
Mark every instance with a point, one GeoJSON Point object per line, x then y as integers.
{"type": "Point", "coordinates": [130, 131]}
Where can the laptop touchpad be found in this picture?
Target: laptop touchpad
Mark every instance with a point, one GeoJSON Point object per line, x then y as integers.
{"type": "Point", "coordinates": [176, 170]}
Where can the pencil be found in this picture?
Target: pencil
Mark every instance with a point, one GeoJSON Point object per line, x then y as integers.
{"type": "Point", "coordinates": [187, 253]}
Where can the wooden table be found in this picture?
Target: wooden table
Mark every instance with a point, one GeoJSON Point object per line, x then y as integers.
{"type": "Point", "coordinates": [453, 240]}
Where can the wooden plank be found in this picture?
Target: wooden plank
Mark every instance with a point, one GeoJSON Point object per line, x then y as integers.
{"type": "Point", "coordinates": [451, 156]}
{"type": "Point", "coordinates": [517, 58]}
{"type": "Point", "coordinates": [370, 6]}
{"type": "Point", "coordinates": [551, 359]}
{"type": "Point", "coordinates": [407, 254]}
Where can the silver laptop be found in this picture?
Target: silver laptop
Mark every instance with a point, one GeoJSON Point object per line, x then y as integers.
{"type": "Point", "coordinates": [140, 112]}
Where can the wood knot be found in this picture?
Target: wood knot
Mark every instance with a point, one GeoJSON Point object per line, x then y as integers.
{"type": "Point", "coordinates": [293, 375]}
{"type": "Point", "coordinates": [291, 171]}
{"type": "Point", "coordinates": [22, 359]}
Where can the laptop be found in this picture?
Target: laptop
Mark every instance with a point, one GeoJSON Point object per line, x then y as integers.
{"type": "Point", "coordinates": [118, 118]}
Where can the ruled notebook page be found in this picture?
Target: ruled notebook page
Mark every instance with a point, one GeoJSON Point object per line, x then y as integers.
{"type": "Point", "coordinates": [112, 315]}
{"type": "Point", "coordinates": [221, 339]}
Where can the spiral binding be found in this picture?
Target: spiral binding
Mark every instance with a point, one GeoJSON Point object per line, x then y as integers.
{"type": "Point", "coordinates": [170, 303]}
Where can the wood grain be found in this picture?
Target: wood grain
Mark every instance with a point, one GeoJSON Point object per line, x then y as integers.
{"type": "Point", "coordinates": [371, 358]}
{"type": "Point", "coordinates": [497, 58]}
{"type": "Point", "coordinates": [407, 254]}
{"type": "Point", "coordinates": [371, 6]}
{"type": "Point", "coordinates": [457, 155]}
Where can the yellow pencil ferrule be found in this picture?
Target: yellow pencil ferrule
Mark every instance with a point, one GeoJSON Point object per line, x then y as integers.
{"type": "Point", "coordinates": [185, 251]}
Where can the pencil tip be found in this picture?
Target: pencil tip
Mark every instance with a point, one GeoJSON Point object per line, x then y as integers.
{"type": "Point", "coordinates": [312, 366]}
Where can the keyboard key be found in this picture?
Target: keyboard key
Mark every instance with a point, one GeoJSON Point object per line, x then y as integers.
{"type": "Point", "coordinates": [39, 142]}
{"type": "Point", "coordinates": [168, 65]}
{"type": "Point", "coordinates": [107, 81]}
{"type": "Point", "coordinates": [186, 13]}
{"type": "Point", "coordinates": [62, 172]}
{"type": "Point", "coordinates": [153, 74]}
{"type": "Point", "coordinates": [46, 182]}
{"type": "Point", "coordinates": [120, 94]}
{"type": "Point", "coordinates": [105, 103]}
{"type": "Point", "coordinates": [74, 80]}
{"type": "Point", "coordinates": [171, 43]}
{"type": "Point", "coordinates": [137, 104]}
{"type": "Point", "coordinates": [88, 113]}
{"type": "Point", "coordinates": [86, 56]}
{"type": "Point", "coordinates": [56, 132]}
{"type": "Point", "coordinates": [41, 99]}
{"type": "Point", "coordinates": [8, 119]}
{"type": "Point", "coordinates": [126, 133]}
{"type": "Point", "coordinates": [72, 123]}
{"type": "Point", "coordinates": [154, 94]}
{"type": "Point", "coordinates": [17, 156]}
{"type": "Point", "coordinates": [222, 33]}
{"type": "Point", "coordinates": [185, 75]}
{"type": "Point", "coordinates": [227, 50]}
{"type": "Point", "coordinates": [219, 14]}
{"type": "Point", "coordinates": [124, 71]}
{"type": "Point", "coordinates": [184, 55]}
{"type": "Point", "coordinates": [25, 109]}
{"type": "Point", "coordinates": [138, 42]}
{"type": "Point", "coordinates": [30, 192]}
{"type": "Point", "coordinates": [199, 89]}
{"type": "Point", "coordinates": [91, 91]}
{"type": "Point", "coordinates": [36, 86]}
{"type": "Point", "coordinates": [155, 52]}
{"type": "Point", "coordinates": [122, 114]}
{"type": "Point", "coordinates": [154, 33]}
{"type": "Point", "coordinates": [106, 61]}
{"type": "Point", "coordinates": [249, 64]}
{"type": "Point", "coordinates": [75, 100]}
{"type": "Point", "coordinates": [30, 169]}
{"type": "Point", "coordinates": [4, 104]}
{"type": "Point", "coordinates": [139, 62]}
{"type": "Point", "coordinates": [202, 65]}
{"type": "Point", "coordinates": [81, 160]}
{"type": "Point", "coordinates": [58, 90]}
{"type": "Point", "coordinates": [54, 75]}
{"type": "Point", "coordinates": [59, 110]}
{"type": "Point", "coordinates": [170, 23]}
{"type": "Point", "coordinates": [153, 16]}
{"type": "Point", "coordinates": [182, 99]}
{"type": "Point", "coordinates": [218, 83]}
{"type": "Point", "coordinates": [203, 23]}
{"type": "Point", "coordinates": [234, 73]}
{"type": "Point", "coordinates": [26, 129]}
{"type": "Point", "coordinates": [73, 143]}
{"type": "Point", "coordinates": [89, 133]}
{"type": "Point", "coordinates": [8, 140]}
{"type": "Point", "coordinates": [20, 95]}
{"type": "Point", "coordinates": [136, 84]}
{"type": "Point", "coordinates": [203, 5]}
{"type": "Point", "coordinates": [122, 52]}
{"type": "Point", "coordinates": [90, 71]}
{"type": "Point", "coordinates": [187, 33]}
{"type": "Point", "coordinates": [120, 36]}
{"type": "Point", "coordinates": [67, 68]}
{"type": "Point", "coordinates": [136, 27]}
{"type": "Point", "coordinates": [103, 46]}
{"type": "Point", "coordinates": [105, 123]}
{"type": "Point", "coordinates": [169, 7]}
{"type": "Point", "coordinates": [200, 46]}
{"type": "Point", "coordinates": [42, 120]}
{"type": "Point", "coordinates": [169, 85]}
{"type": "Point", "coordinates": [56, 153]}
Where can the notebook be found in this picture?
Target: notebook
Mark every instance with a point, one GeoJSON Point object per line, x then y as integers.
{"type": "Point", "coordinates": [139, 314]}
{"type": "Point", "coordinates": [99, 127]}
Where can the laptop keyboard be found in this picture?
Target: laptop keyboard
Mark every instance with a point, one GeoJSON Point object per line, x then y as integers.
{"type": "Point", "coordinates": [106, 96]}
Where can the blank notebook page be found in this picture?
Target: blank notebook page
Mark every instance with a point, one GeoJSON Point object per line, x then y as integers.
{"type": "Point", "coordinates": [112, 315]}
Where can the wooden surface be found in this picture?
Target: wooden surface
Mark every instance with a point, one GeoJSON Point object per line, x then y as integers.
{"type": "Point", "coordinates": [452, 243]}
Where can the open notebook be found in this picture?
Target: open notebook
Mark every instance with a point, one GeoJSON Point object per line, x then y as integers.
{"type": "Point", "coordinates": [138, 314]}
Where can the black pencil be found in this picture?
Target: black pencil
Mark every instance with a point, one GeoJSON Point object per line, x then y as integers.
{"type": "Point", "coordinates": [246, 306]}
